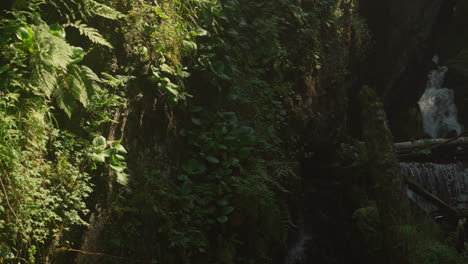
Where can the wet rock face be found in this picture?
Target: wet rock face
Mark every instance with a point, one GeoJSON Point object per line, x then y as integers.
{"type": "Point", "coordinates": [453, 51]}
{"type": "Point", "coordinates": [405, 34]}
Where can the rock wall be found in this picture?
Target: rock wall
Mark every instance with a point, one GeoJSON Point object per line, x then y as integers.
{"type": "Point", "coordinates": [405, 35]}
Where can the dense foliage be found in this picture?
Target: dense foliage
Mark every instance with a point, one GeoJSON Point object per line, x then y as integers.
{"type": "Point", "coordinates": [210, 99]}
{"type": "Point", "coordinates": [222, 72]}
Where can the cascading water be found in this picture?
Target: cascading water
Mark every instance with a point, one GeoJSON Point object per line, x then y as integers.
{"type": "Point", "coordinates": [437, 105]}
{"type": "Point", "coordinates": [449, 182]}
{"type": "Point", "coordinates": [297, 254]}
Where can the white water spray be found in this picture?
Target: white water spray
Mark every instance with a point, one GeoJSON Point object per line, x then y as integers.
{"type": "Point", "coordinates": [449, 182]}
{"type": "Point", "coordinates": [437, 105]}
{"type": "Point", "coordinates": [297, 253]}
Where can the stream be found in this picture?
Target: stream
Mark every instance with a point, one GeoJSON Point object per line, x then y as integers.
{"type": "Point", "coordinates": [448, 181]}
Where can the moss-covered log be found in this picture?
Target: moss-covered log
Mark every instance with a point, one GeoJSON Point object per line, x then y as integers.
{"type": "Point", "coordinates": [402, 147]}
{"type": "Point", "coordinates": [385, 176]}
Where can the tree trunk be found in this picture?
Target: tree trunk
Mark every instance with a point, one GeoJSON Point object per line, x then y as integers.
{"type": "Point", "coordinates": [453, 212]}
{"type": "Point", "coordinates": [385, 176]}
{"type": "Point", "coordinates": [429, 143]}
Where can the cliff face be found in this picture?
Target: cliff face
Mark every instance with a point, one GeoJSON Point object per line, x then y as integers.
{"type": "Point", "coordinates": [452, 46]}
{"type": "Point", "coordinates": [405, 34]}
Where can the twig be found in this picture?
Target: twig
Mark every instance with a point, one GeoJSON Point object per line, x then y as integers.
{"type": "Point", "coordinates": [93, 253]}
{"type": "Point", "coordinates": [7, 199]}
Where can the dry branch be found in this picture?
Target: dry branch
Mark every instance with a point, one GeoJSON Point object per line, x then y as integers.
{"type": "Point", "coordinates": [429, 143]}
{"type": "Point", "coordinates": [432, 198]}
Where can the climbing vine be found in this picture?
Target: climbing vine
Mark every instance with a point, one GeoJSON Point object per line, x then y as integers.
{"type": "Point", "coordinates": [222, 75]}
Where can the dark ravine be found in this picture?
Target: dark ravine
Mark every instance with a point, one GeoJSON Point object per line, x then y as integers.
{"type": "Point", "coordinates": [407, 34]}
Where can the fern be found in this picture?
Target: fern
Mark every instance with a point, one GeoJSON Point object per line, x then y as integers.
{"type": "Point", "coordinates": [72, 9]}
{"type": "Point", "coordinates": [55, 72]}
{"type": "Point", "coordinates": [116, 81]}
{"type": "Point", "coordinates": [51, 54]}
{"type": "Point", "coordinates": [78, 86]}
{"type": "Point", "coordinates": [90, 32]}
{"type": "Point", "coordinates": [102, 10]}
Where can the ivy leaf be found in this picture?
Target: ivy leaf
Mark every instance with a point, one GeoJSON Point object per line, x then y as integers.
{"type": "Point", "coordinates": [100, 142]}
{"type": "Point", "coordinates": [118, 169]}
{"type": "Point", "coordinates": [190, 45]}
{"type": "Point", "coordinates": [161, 13]}
{"type": "Point", "coordinates": [212, 159]}
{"type": "Point", "coordinates": [120, 149]}
{"type": "Point", "coordinates": [222, 219]}
{"type": "Point", "coordinates": [99, 157]}
{"type": "Point", "coordinates": [223, 202]}
{"type": "Point", "coordinates": [194, 167]}
{"type": "Point", "coordinates": [24, 34]}
{"type": "Point", "coordinates": [244, 152]}
{"type": "Point", "coordinates": [201, 32]}
{"type": "Point", "coordinates": [195, 109]}
{"type": "Point", "coordinates": [122, 178]}
{"type": "Point", "coordinates": [4, 68]}
{"type": "Point", "coordinates": [57, 30]}
{"type": "Point", "coordinates": [227, 210]}
{"type": "Point", "coordinates": [196, 121]}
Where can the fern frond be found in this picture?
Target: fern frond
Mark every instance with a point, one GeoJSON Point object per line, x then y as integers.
{"type": "Point", "coordinates": [90, 32]}
{"type": "Point", "coordinates": [34, 5]}
{"type": "Point", "coordinates": [98, 9]}
{"type": "Point", "coordinates": [64, 98]}
{"type": "Point", "coordinates": [71, 10]}
{"type": "Point", "coordinates": [44, 78]}
{"type": "Point", "coordinates": [51, 49]}
{"type": "Point", "coordinates": [77, 85]}
{"type": "Point", "coordinates": [116, 81]}
{"type": "Point", "coordinates": [91, 80]}
{"type": "Point", "coordinates": [90, 75]}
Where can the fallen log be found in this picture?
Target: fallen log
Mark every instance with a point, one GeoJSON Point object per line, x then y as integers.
{"type": "Point", "coordinates": [414, 186]}
{"type": "Point", "coordinates": [428, 144]}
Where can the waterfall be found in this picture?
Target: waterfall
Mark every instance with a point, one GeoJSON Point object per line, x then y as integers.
{"type": "Point", "coordinates": [449, 182]}
{"type": "Point", "coordinates": [437, 105]}
{"type": "Point", "coordinates": [297, 253]}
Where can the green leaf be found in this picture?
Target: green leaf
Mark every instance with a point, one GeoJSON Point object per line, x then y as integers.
{"type": "Point", "coordinates": [229, 116]}
{"type": "Point", "coordinates": [122, 178]}
{"type": "Point", "coordinates": [102, 10]}
{"type": "Point", "coordinates": [24, 33]}
{"type": "Point", "coordinates": [194, 167]}
{"type": "Point", "coordinates": [57, 30]}
{"type": "Point", "coordinates": [118, 169]}
{"type": "Point", "coordinates": [99, 157]}
{"type": "Point", "coordinates": [234, 162]}
{"type": "Point", "coordinates": [223, 202]}
{"type": "Point", "coordinates": [222, 147]}
{"type": "Point", "coordinates": [4, 68]}
{"type": "Point", "coordinates": [196, 121]}
{"type": "Point", "coordinates": [212, 159]}
{"type": "Point", "coordinates": [100, 142]}
{"type": "Point", "coordinates": [78, 54]}
{"type": "Point", "coordinates": [190, 45]}
{"type": "Point", "coordinates": [161, 13]}
{"type": "Point", "coordinates": [222, 219]}
{"type": "Point", "coordinates": [233, 32]}
{"type": "Point", "coordinates": [195, 109]}
{"type": "Point", "coordinates": [201, 32]}
{"type": "Point", "coordinates": [244, 152]}
{"type": "Point", "coordinates": [120, 149]}
{"type": "Point", "coordinates": [109, 152]}
{"type": "Point", "coordinates": [227, 210]}
{"type": "Point", "coordinates": [90, 32]}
